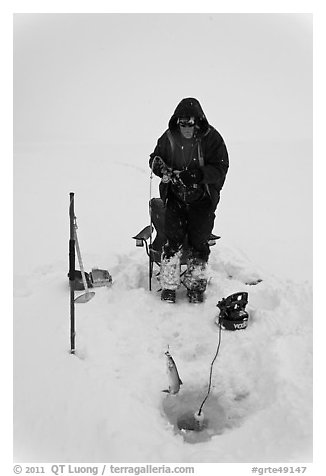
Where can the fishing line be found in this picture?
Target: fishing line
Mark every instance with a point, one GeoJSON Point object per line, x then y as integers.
{"type": "Point", "coordinates": [150, 194]}
{"type": "Point", "coordinates": [151, 223]}
{"type": "Point", "coordinates": [157, 157]}
{"type": "Point", "coordinates": [211, 369]}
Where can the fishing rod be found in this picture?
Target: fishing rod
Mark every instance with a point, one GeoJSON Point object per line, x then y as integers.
{"type": "Point", "coordinates": [150, 266]}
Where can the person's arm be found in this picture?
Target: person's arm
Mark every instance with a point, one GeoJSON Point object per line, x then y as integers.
{"type": "Point", "coordinates": [216, 160]}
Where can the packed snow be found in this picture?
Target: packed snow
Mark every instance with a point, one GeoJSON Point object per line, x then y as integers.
{"type": "Point", "coordinates": [92, 94]}
{"type": "Point", "coordinates": [106, 402]}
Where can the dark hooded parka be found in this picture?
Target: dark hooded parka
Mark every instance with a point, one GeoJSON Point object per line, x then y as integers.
{"type": "Point", "coordinates": [207, 141]}
{"type": "Point", "coordinates": [190, 209]}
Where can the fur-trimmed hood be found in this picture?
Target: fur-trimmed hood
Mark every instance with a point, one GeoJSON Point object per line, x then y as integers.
{"type": "Point", "coordinates": [189, 107]}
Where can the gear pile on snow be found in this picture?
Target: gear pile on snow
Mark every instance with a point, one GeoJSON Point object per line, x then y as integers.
{"type": "Point", "coordinates": [232, 315]}
{"type": "Point", "coordinates": [96, 278]}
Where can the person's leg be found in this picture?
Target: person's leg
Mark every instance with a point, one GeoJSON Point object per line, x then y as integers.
{"type": "Point", "coordinates": [175, 226]}
{"type": "Point", "coordinates": [201, 218]}
{"type": "Point", "coordinates": [170, 260]}
{"type": "Point", "coordinates": [200, 224]}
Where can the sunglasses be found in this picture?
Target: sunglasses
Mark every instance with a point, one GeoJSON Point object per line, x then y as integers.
{"type": "Point", "coordinates": [186, 123]}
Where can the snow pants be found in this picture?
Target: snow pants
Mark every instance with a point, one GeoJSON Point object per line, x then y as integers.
{"type": "Point", "coordinates": [187, 225]}
{"type": "Point", "coordinates": [191, 222]}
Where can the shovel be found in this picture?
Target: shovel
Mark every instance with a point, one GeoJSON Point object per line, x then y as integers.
{"type": "Point", "coordinates": [88, 295]}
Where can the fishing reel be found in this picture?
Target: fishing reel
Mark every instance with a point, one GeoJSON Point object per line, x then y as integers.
{"type": "Point", "coordinates": [233, 315]}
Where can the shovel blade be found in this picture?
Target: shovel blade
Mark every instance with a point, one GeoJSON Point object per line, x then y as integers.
{"type": "Point", "coordinates": [85, 297]}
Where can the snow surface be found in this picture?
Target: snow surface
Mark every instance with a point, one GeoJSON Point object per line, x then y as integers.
{"type": "Point", "coordinates": [92, 93]}
{"type": "Point", "coordinates": [106, 402]}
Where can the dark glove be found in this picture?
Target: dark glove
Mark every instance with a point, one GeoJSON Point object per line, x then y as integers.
{"type": "Point", "coordinates": [158, 166]}
{"type": "Point", "coordinates": [190, 177]}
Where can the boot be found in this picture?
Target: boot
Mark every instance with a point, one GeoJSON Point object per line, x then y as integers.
{"type": "Point", "coordinates": [170, 276]}
{"type": "Point", "coordinates": [195, 280]}
{"type": "Point", "coordinates": [195, 296]}
{"type": "Point", "coordinates": [168, 295]}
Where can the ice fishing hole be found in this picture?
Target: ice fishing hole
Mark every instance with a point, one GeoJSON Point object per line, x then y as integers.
{"type": "Point", "coordinates": [180, 409]}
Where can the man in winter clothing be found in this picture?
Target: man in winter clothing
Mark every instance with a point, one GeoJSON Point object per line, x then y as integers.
{"type": "Point", "coordinates": [192, 160]}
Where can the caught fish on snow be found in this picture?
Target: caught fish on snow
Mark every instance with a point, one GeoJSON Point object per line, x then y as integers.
{"type": "Point", "coordinates": [174, 378]}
